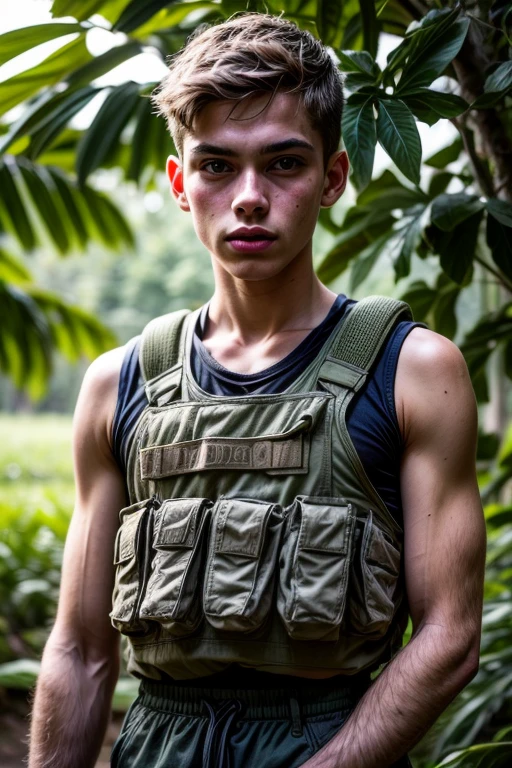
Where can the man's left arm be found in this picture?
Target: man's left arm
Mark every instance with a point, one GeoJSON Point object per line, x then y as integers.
{"type": "Point", "coordinates": [444, 552]}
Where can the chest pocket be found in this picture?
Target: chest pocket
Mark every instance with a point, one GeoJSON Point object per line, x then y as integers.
{"type": "Point", "coordinates": [240, 572]}
{"type": "Point", "coordinates": [315, 567]}
{"type": "Point", "coordinates": [172, 597]}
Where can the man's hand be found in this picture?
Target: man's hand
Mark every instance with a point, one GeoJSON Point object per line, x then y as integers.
{"type": "Point", "coordinates": [80, 662]}
{"type": "Point", "coordinates": [444, 551]}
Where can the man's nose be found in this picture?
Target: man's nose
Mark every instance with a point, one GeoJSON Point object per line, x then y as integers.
{"type": "Point", "coordinates": [251, 196]}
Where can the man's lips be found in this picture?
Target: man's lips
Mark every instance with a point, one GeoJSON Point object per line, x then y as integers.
{"type": "Point", "coordinates": [253, 234]}
{"type": "Point", "coordinates": [246, 244]}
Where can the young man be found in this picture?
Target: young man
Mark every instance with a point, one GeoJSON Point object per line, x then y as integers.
{"type": "Point", "coordinates": [296, 470]}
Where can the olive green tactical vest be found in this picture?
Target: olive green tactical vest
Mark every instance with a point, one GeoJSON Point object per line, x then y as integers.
{"type": "Point", "coordinates": [253, 534]}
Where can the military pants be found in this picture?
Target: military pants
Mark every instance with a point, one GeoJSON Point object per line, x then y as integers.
{"type": "Point", "coordinates": [182, 726]}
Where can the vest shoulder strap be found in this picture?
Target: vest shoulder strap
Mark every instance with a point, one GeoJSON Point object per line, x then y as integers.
{"type": "Point", "coordinates": [161, 344]}
{"type": "Point", "coordinates": [360, 338]}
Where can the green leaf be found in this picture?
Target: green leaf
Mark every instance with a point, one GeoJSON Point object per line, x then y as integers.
{"type": "Point", "coordinates": [70, 216]}
{"type": "Point", "coordinates": [104, 63]}
{"type": "Point", "coordinates": [80, 9]}
{"type": "Point", "coordinates": [71, 207]}
{"type": "Point", "coordinates": [139, 11]}
{"type": "Point", "coordinates": [449, 210]}
{"type": "Point", "coordinates": [20, 40]}
{"type": "Point", "coordinates": [409, 233]}
{"type": "Point", "coordinates": [430, 60]}
{"type": "Point", "coordinates": [439, 182]}
{"type": "Point", "coordinates": [358, 61]}
{"type": "Point", "coordinates": [13, 204]}
{"type": "Point", "coordinates": [446, 155]}
{"type": "Point", "coordinates": [387, 193]}
{"type": "Point", "coordinates": [445, 319]}
{"type": "Point", "coordinates": [399, 137]}
{"type": "Point", "coordinates": [420, 298]}
{"type": "Point", "coordinates": [50, 71]}
{"type": "Point", "coordinates": [457, 248]}
{"type": "Point", "coordinates": [328, 18]}
{"type": "Point", "coordinates": [360, 137]}
{"type": "Point", "coordinates": [170, 19]}
{"type": "Point", "coordinates": [501, 210]}
{"type": "Point", "coordinates": [500, 80]}
{"type": "Point", "coordinates": [420, 36]}
{"type": "Point", "coordinates": [370, 26]}
{"type": "Point", "coordinates": [40, 186]}
{"type": "Point", "coordinates": [47, 130]}
{"type": "Point", "coordinates": [111, 228]}
{"type": "Point", "coordinates": [40, 113]}
{"type": "Point", "coordinates": [150, 144]}
{"type": "Point", "coordinates": [487, 100]}
{"type": "Point", "coordinates": [11, 269]}
{"type": "Point", "coordinates": [106, 128]}
{"type": "Point", "coordinates": [429, 106]}
{"type": "Point", "coordinates": [356, 80]}
{"type": "Point", "coordinates": [499, 240]}
{"type": "Point", "coordinates": [360, 227]}
{"type": "Point", "coordinates": [366, 260]}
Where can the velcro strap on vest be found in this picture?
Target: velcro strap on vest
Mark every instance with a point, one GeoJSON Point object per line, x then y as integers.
{"type": "Point", "coordinates": [242, 453]}
{"type": "Point", "coordinates": [359, 340]}
{"type": "Point", "coordinates": [162, 344]}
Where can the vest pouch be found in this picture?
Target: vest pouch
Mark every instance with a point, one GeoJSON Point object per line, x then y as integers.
{"type": "Point", "coordinates": [240, 572]}
{"type": "Point", "coordinates": [376, 570]}
{"type": "Point", "coordinates": [314, 567]}
{"type": "Point", "coordinates": [173, 594]}
{"type": "Point", "coordinates": [130, 560]}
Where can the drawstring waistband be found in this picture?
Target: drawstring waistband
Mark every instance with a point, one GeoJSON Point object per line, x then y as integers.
{"type": "Point", "coordinates": [216, 752]}
{"type": "Point", "coordinates": [225, 708]}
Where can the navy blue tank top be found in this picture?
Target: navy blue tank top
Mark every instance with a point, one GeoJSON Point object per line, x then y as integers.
{"type": "Point", "coordinates": [371, 421]}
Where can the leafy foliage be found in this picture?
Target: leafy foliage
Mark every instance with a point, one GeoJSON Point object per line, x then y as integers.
{"type": "Point", "coordinates": [444, 223]}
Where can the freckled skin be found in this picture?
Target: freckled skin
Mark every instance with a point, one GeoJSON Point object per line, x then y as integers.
{"type": "Point", "coordinates": [254, 189]}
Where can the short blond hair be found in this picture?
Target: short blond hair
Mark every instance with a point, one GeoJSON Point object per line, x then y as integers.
{"type": "Point", "coordinates": [249, 54]}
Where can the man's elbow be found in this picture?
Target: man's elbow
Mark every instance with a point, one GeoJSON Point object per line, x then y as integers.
{"type": "Point", "coordinates": [464, 658]}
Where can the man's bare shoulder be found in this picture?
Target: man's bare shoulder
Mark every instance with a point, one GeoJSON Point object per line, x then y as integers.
{"type": "Point", "coordinates": [98, 396]}
{"type": "Point", "coordinates": [432, 382]}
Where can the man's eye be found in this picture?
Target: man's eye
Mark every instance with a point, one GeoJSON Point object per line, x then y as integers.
{"type": "Point", "coordinates": [213, 166]}
{"type": "Point", "coordinates": [288, 163]}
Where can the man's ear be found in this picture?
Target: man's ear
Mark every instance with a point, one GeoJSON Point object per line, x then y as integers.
{"type": "Point", "coordinates": [175, 175]}
{"type": "Point", "coordinates": [335, 179]}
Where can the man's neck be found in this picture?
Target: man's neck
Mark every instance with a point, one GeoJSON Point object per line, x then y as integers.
{"type": "Point", "coordinates": [254, 324]}
{"type": "Point", "coordinates": [256, 311]}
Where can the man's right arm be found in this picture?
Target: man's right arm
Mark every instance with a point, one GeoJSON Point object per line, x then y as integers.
{"type": "Point", "coordinates": [81, 659]}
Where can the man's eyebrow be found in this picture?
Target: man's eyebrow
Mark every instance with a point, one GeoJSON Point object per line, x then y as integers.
{"type": "Point", "coordinates": [280, 146]}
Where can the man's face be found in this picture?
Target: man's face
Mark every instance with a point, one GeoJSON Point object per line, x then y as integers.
{"type": "Point", "coordinates": [262, 171]}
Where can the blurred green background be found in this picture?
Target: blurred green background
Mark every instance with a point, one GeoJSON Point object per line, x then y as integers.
{"type": "Point", "coordinates": [92, 247]}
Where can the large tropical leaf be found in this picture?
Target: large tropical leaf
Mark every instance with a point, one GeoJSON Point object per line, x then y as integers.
{"type": "Point", "coordinates": [139, 11]}
{"type": "Point", "coordinates": [46, 118]}
{"type": "Point", "coordinates": [50, 71]}
{"type": "Point", "coordinates": [33, 197]}
{"type": "Point", "coordinates": [398, 135]}
{"type": "Point", "coordinates": [20, 40]}
{"type": "Point", "coordinates": [360, 136]}
{"type": "Point", "coordinates": [361, 226]}
{"type": "Point", "coordinates": [328, 18]}
{"type": "Point", "coordinates": [106, 128]}
{"type": "Point", "coordinates": [35, 324]}
{"type": "Point", "coordinates": [429, 106]}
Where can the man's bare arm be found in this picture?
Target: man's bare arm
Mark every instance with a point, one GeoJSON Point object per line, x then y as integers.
{"type": "Point", "coordinates": [80, 661]}
{"type": "Point", "coordinates": [444, 562]}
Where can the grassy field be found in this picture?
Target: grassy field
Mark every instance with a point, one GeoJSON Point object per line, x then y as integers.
{"type": "Point", "coordinates": [35, 460]}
